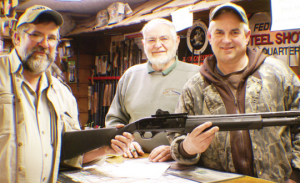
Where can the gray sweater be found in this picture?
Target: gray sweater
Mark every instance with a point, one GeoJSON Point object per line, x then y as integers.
{"type": "Point", "coordinates": [141, 92]}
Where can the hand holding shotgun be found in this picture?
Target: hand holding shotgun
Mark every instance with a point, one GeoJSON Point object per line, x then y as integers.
{"type": "Point", "coordinates": [75, 143]}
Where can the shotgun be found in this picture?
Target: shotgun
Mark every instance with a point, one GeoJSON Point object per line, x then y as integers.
{"type": "Point", "coordinates": [92, 98]}
{"type": "Point", "coordinates": [104, 101]}
{"type": "Point", "coordinates": [121, 65]}
{"type": "Point", "coordinates": [106, 94]}
{"type": "Point", "coordinates": [97, 91]}
{"type": "Point", "coordinates": [126, 54]}
{"type": "Point", "coordinates": [90, 116]}
{"type": "Point", "coordinates": [101, 98]}
{"type": "Point", "coordinates": [109, 89]}
{"type": "Point", "coordinates": [105, 69]}
{"type": "Point", "coordinates": [115, 66]}
{"type": "Point", "coordinates": [75, 143]}
{"type": "Point", "coordinates": [96, 101]}
{"type": "Point", "coordinates": [139, 59]}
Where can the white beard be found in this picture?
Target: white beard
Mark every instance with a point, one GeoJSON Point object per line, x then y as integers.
{"type": "Point", "coordinates": [161, 62]}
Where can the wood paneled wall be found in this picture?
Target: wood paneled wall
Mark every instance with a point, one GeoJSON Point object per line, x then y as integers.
{"type": "Point", "coordinates": [87, 47]}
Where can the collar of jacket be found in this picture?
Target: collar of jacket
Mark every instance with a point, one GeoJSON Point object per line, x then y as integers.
{"type": "Point", "coordinates": [16, 64]}
{"type": "Point", "coordinates": [256, 58]}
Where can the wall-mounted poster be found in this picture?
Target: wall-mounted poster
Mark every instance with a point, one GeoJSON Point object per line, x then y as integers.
{"type": "Point", "coordinates": [196, 37]}
{"type": "Point", "coordinates": [283, 45]}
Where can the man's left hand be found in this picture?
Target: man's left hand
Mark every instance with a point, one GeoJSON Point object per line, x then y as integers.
{"type": "Point", "coordinates": [160, 154]}
{"type": "Point", "coordinates": [134, 151]}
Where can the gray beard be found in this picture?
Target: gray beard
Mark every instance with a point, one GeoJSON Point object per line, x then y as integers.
{"type": "Point", "coordinates": [37, 64]}
{"type": "Point", "coordinates": [161, 62]}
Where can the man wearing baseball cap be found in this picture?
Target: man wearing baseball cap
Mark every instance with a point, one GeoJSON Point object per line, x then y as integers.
{"type": "Point", "coordinates": [236, 80]}
{"type": "Point", "coordinates": [35, 107]}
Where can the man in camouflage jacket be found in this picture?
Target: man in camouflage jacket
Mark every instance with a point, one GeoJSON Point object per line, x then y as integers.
{"type": "Point", "coordinates": [234, 80]}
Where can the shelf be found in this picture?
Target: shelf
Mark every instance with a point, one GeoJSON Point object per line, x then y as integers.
{"type": "Point", "coordinates": [105, 78]}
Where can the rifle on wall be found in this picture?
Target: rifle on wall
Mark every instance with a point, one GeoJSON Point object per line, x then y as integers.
{"type": "Point", "coordinates": [96, 101]}
{"type": "Point", "coordinates": [140, 55]}
{"type": "Point", "coordinates": [126, 54]}
{"type": "Point", "coordinates": [110, 86]}
{"type": "Point", "coordinates": [101, 98]}
{"type": "Point", "coordinates": [116, 62]}
{"type": "Point", "coordinates": [121, 66]}
{"type": "Point", "coordinates": [106, 88]}
{"type": "Point", "coordinates": [131, 53]}
{"type": "Point", "coordinates": [75, 143]}
{"type": "Point", "coordinates": [101, 70]}
{"type": "Point", "coordinates": [90, 99]}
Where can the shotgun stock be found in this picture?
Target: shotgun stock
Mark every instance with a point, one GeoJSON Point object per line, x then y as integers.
{"type": "Point", "coordinates": [116, 61]}
{"type": "Point", "coordinates": [131, 53]}
{"type": "Point", "coordinates": [95, 105]}
{"type": "Point", "coordinates": [126, 54]}
{"type": "Point", "coordinates": [105, 101]}
{"type": "Point", "coordinates": [90, 90]}
{"type": "Point", "coordinates": [91, 122]}
{"type": "Point", "coordinates": [121, 65]}
{"type": "Point", "coordinates": [75, 143]}
{"type": "Point", "coordinates": [110, 85]}
{"type": "Point", "coordinates": [101, 99]}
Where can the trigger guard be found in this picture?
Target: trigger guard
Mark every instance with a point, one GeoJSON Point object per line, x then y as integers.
{"type": "Point", "coordinates": [142, 134]}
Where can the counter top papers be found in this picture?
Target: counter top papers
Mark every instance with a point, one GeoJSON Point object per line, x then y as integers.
{"type": "Point", "coordinates": [135, 168]}
{"type": "Point", "coordinates": [141, 170]}
{"type": "Point", "coordinates": [199, 174]}
{"type": "Point", "coordinates": [130, 171]}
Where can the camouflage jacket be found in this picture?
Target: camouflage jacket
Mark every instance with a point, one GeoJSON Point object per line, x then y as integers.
{"type": "Point", "coordinates": [275, 149]}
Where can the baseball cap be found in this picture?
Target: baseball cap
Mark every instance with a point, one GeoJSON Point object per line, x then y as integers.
{"type": "Point", "coordinates": [33, 12]}
{"type": "Point", "coordinates": [237, 9]}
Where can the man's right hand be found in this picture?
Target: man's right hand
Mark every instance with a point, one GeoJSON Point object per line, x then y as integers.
{"type": "Point", "coordinates": [134, 151]}
{"type": "Point", "coordinates": [198, 141]}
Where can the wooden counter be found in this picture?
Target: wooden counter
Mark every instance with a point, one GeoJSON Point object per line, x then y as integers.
{"type": "Point", "coordinates": [244, 179]}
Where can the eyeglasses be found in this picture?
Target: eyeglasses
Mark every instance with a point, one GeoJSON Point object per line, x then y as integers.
{"type": "Point", "coordinates": [162, 40]}
{"type": "Point", "coordinates": [52, 40]}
